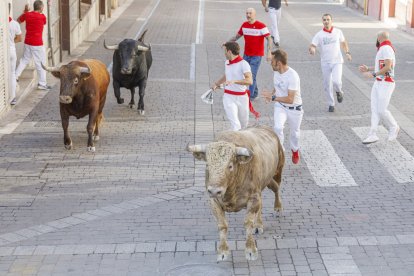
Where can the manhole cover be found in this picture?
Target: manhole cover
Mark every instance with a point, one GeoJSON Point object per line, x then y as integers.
{"type": "Point", "coordinates": [199, 270]}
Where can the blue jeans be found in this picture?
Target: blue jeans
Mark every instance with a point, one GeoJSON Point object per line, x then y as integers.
{"type": "Point", "coordinates": [254, 62]}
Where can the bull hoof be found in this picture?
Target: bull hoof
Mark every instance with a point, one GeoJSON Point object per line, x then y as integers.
{"type": "Point", "coordinates": [251, 254]}
{"type": "Point", "coordinates": [278, 207]}
{"type": "Point", "coordinates": [91, 149]}
{"type": "Point", "coordinates": [141, 112]}
{"type": "Point", "coordinates": [96, 138]}
{"type": "Point", "coordinates": [222, 256]}
{"type": "Point", "coordinates": [68, 147]}
{"type": "Point", "coordinates": [120, 100]}
{"type": "Point", "coordinates": [131, 105]}
{"type": "Point", "coordinates": [258, 230]}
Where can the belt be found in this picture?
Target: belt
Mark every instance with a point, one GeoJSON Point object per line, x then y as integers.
{"type": "Point", "coordinates": [236, 93]}
{"type": "Point", "coordinates": [387, 79]}
{"type": "Point", "coordinates": [298, 107]}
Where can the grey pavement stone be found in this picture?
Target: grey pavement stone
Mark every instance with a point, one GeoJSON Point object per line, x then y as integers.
{"type": "Point", "coordinates": [6, 251]}
{"type": "Point", "coordinates": [186, 246]}
{"type": "Point", "coordinates": [125, 248]}
{"type": "Point", "coordinates": [206, 246]}
{"type": "Point", "coordinates": [347, 241]}
{"type": "Point", "coordinates": [327, 242]}
{"type": "Point", "coordinates": [367, 240]}
{"type": "Point", "coordinates": [44, 250]}
{"type": "Point", "coordinates": [286, 243]}
{"type": "Point", "coordinates": [105, 249]}
{"type": "Point", "coordinates": [12, 237]}
{"type": "Point", "coordinates": [406, 239]}
{"type": "Point", "coordinates": [166, 247]}
{"type": "Point", "coordinates": [306, 242]}
{"type": "Point", "coordinates": [145, 247]}
{"type": "Point", "coordinates": [24, 250]}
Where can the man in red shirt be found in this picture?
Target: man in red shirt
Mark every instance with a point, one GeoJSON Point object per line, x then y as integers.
{"type": "Point", "coordinates": [33, 42]}
{"type": "Point", "coordinates": [254, 32]}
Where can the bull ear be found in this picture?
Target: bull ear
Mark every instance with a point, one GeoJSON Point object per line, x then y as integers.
{"type": "Point", "coordinates": [244, 155]}
{"type": "Point", "coordinates": [85, 72]}
{"type": "Point", "coordinates": [199, 151]}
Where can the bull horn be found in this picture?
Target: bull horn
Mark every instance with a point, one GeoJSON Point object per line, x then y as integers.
{"type": "Point", "coordinates": [85, 70]}
{"type": "Point", "coordinates": [50, 69]}
{"type": "Point", "coordinates": [243, 151]}
{"type": "Point", "coordinates": [110, 47]}
{"type": "Point", "coordinates": [197, 148]}
{"type": "Point", "coordinates": [142, 48]}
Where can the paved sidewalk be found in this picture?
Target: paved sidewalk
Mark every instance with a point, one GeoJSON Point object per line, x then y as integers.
{"type": "Point", "coordinates": [137, 205]}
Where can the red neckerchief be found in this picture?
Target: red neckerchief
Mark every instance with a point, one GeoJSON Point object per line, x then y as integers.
{"type": "Point", "coordinates": [386, 42]}
{"type": "Point", "coordinates": [237, 59]}
{"type": "Point", "coordinates": [10, 19]}
{"type": "Point", "coordinates": [328, 31]}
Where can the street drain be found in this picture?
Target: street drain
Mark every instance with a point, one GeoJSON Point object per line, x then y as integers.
{"type": "Point", "coordinates": [199, 270]}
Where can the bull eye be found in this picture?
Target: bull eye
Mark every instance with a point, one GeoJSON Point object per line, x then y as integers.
{"type": "Point", "coordinates": [231, 167]}
{"type": "Point", "coordinates": [76, 81]}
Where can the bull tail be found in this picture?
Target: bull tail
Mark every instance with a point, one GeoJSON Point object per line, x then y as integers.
{"type": "Point", "coordinates": [141, 38]}
{"type": "Point", "coordinates": [280, 164]}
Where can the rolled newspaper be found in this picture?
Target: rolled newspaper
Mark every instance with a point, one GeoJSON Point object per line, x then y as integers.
{"type": "Point", "coordinates": [208, 97]}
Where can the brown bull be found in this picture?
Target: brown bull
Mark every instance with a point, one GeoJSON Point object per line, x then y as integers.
{"type": "Point", "coordinates": [83, 85]}
{"type": "Point", "coordinates": [240, 164]}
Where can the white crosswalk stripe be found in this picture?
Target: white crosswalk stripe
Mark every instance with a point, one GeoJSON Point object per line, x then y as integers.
{"type": "Point", "coordinates": [392, 155]}
{"type": "Point", "coordinates": [326, 169]}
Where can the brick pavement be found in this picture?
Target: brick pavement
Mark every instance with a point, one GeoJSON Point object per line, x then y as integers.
{"type": "Point", "coordinates": [137, 206]}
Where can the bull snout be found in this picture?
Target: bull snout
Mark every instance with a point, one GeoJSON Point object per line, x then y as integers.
{"type": "Point", "coordinates": [215, 191]}
{"type": "Point", "coordinates": [126, 71]}
{"type": "Point", "coordinates": [65, 99]}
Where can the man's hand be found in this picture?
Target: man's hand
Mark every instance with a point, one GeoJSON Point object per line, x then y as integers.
{"type": "Point", "coordinates": [312, 50]}
{"type": "Point", "coordinates": [367, 75]}
{"type": "Point", "coordinates": [269, 56]}
{"type": "Point", "coordinates": [267, 95]}
{"type": "Point", "coordinates": [363, 68]}
{"type": "Point", "coordinates": [266, 9]}
{"type": "Point", "coordinates": [286, 3]}
{"type": "Point", "coordinates": [214, 86]}
{"type": "Point", "coordinates": [348, 56]}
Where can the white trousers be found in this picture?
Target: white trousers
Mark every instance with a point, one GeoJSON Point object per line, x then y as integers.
{"type": "Point", "coordinates": [332, 80]}
{"type": "Point", "coordinates": [275, 16]}
{"type": "Point", "coordinates": [237, 110]}
{"type": "Point", "coordinates": [294, 118]}
{"type": "Point", "coordinates": [380, 99]}
{"type": "Point", "coordinates": [39, 56]}
{"type": "Point", "coordinates": [12, 78]}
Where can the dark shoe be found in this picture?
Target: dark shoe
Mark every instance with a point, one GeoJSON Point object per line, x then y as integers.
{"type": "Point", "coordinates": [13, 102]}
{"type": "Point", "coordinates": [340, 96]}
{"type": "Point", "coordinates": [295, 157]}
{"type": "Point", "coordinates": [331, 108]}
{"type": "Point", "coordinates": [277, 45]}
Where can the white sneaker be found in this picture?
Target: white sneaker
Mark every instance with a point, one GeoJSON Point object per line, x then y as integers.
{"type": "Point", "coordinates": [372, 138]}
{"type": "Point", "coordinates": [392, 135]}
{"type": "Point", "coordinates": [44, 87]}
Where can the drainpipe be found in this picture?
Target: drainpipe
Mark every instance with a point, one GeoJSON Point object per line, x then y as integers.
{"type": "Point", "coordinates": [380, 10]}
{"type": "Point", "coordinates": [49, 33]}
{"type": "Point", "coordinates": [365, 7]}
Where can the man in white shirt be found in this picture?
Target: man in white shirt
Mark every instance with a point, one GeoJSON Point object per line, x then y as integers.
{"type": "Point", "coordinates": [288, 101]}
{"type": "Point", "coordinates": [15, 35]}
{"type": "Point", "coordinates": [330, 40]}
{"type": "Point", "coordinates": [274, 8]}
{"type": "Point", "coordinates": [383, 87]}
{"type": "Point", "coordinates": [236, 78]}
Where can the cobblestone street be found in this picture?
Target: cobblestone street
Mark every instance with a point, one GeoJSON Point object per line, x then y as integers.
{"type": "Point", "coordinates": [138, 206]}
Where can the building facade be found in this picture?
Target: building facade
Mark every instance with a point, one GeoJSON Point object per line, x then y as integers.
{"type": "Point", "coordinates": [69, 22]}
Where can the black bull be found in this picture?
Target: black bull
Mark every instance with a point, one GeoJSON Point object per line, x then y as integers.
{"type": "Point", "coordinates": [131, 63]}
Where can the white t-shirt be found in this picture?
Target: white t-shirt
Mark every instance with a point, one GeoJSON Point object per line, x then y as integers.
{"type": "Point", "coordinates": [385, 52]}
{"type": "Point", "coordinates": [289, 80]}
{"type": "Point", "coordinates": [329, 44]}
{"type": "Point", "coordinates": [14, 29]}
{"type": "Point", "coordinates": [236, 71]}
